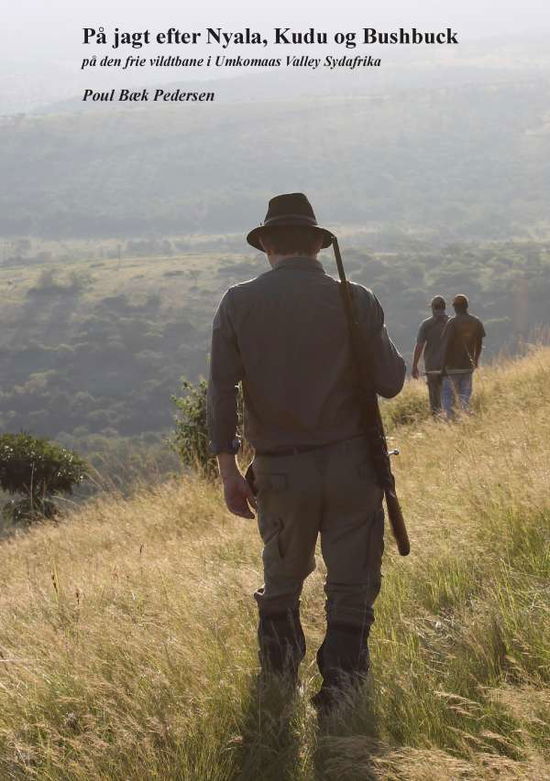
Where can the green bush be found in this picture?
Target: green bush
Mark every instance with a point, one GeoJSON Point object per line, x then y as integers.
{"type": "Point", "coordinates": [191, 434]}
{"type": "Point", "coordinates": [190, 438]}
{"type": "Point", "coordinates": [38, 470]}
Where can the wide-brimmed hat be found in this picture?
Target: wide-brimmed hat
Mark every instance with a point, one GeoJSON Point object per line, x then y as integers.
{"type": "Point", "coordinates": [290, 209]}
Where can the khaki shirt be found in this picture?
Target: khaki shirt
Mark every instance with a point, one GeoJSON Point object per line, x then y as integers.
{"type": "Point", "coordinates": [285, 335]}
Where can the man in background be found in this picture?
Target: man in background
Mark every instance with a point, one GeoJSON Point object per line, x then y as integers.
{"type": "Point", "coordinates": [429, 342]}
{"type": "Point", "coordinates": [285, 335]}
{"type": "Point", "coordinates": [462, 342]}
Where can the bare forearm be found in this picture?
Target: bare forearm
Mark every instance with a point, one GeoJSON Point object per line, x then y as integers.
{"type": "Point", "coordinates": [477, 353]}
{"type": "Point", "coordinates": [419, 347]}
{"type": "Point", "coordinates": [417, 355]}
{"type": "Point", "coordinates": [227, 466]}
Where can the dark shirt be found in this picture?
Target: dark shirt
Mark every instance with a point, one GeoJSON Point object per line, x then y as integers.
{"type": "Point", "coordinates": [285, 335]}
{"type": "Point", "coordinates": [430, 332]}
{"type": "Point", "coordinates": [462, 337]}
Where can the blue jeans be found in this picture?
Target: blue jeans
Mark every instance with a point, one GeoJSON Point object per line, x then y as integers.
{"type": "Point", "coordinates": [456, 387]}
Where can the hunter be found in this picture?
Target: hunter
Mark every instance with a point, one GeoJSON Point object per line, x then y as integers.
{"type": "Point", "coordinates": [462, 343]}
{"type": "Point", "coordinates": [429, 342]}
{"type": "Point", "coordinates": [284, 335]}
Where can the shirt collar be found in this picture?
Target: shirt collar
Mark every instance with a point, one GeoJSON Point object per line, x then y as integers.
{"type": "Point", "coordinates": [301, 263]}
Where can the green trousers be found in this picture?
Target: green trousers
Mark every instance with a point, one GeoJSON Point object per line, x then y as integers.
{"type": "Point", "coordinates": [331, 492]}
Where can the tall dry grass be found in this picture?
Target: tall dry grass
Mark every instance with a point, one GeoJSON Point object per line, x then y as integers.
{"type": "Point", "coordinates": [127, 632]}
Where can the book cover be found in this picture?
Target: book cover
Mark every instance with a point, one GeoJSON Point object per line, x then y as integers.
{"type": "Point", "coordinates": [139, 145]}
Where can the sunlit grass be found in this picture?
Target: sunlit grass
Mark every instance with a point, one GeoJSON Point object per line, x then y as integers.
{"type": "Point", "coordinates": [127, 632]}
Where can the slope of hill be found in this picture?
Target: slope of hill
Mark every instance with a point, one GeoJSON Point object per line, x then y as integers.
{"type": "Point", "coordinates": [128, 631]}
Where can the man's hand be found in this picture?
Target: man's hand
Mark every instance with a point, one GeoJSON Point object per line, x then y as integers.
{"type": "Point", "coordinates": [238, 496]}
{"type": "Point", "coordinates": [415, 373]}
{"type": "Point", "coordinates": [236, 491]}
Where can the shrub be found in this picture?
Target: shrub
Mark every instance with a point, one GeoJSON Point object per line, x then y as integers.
{"type": "Point", "coordinates": [191, 433]}
{"type": "Point", "coordinates": [190, 438]}
{"type": "Point", "coordinates": [37, 469]}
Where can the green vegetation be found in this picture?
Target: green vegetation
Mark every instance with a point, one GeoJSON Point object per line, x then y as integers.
{"type": "Point", "coordinates": [39, 470]}
{"type": "Point", "coordinates": [190, 439]}
{"type": "Point", "coordinates": [467, 162]}
{"type": "Point", "coordinates": [128, 630]}
{"type": "Point", "coordinates": [94, 346]}
{"type": "Point", "coordinates": [115, 247]}
{"type": "Point", "coordinates": [191, 433]}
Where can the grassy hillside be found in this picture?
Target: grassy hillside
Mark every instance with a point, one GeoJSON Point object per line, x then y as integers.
{"type": "Point", "coordinates": [128, 631]}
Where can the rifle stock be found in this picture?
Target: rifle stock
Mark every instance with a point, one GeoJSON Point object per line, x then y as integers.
{"type": "Point", "coordinates": [397, 522]}
{"type": "Point", "coordinates": [372, 420]}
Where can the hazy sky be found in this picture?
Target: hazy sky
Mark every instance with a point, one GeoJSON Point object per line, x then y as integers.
{"type": "Point", "coordinates": [51, 29]}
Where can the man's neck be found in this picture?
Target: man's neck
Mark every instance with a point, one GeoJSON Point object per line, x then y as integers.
{"type": "Point", "coordinates": [276, 259]}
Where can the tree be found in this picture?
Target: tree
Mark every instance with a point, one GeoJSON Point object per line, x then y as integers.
{"type": "Point", "coordinates": [37, 469]}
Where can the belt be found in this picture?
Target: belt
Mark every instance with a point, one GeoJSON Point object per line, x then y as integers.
{"type": "Point", "coordinates": [293, 451]}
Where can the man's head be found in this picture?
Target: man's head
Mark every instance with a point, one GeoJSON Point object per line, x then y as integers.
{"type": "Point", "coordinates": [291, 240]}
{"type": "Point", "coordinates": [438, 305]}
{"type": "Point", "coordinates": [460, 303]}
{"type": "Point", "coordinates": [290, 228]}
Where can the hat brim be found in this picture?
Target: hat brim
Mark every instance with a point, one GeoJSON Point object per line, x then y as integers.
{"type": "Point", "coordinates": [253, 237]}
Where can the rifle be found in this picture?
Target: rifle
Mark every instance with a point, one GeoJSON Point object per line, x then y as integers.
{"type": "Point", "coordinates": [372, 420]}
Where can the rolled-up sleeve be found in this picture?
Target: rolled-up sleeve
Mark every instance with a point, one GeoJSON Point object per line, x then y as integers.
{"type": "Point", "coordinates": [387, 367]}
{"type": "Point", "coordinates": [226, 371]}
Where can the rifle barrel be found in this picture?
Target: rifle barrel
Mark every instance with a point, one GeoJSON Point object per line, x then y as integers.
{"type": "Point", "coordinates": [372, 420]}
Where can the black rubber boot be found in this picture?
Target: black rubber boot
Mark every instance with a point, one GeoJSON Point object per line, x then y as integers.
{"type": "Point", "coordinates": [343, 661]}
{"type": "Point", "coordinates": [282, 644]}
